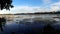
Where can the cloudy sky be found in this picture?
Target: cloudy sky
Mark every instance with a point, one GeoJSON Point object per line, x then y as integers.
{"type": "Point", "coordinates": [31, 6]}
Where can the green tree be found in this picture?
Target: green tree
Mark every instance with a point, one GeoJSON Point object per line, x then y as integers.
{"type": "Point", "coordinates": [6, 4]}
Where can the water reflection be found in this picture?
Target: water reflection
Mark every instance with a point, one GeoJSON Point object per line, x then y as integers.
{"type": "Point", "coordinates": [2, 23]}
{"type": "Point", "coordinates": [1, 26]}
{"type": "Point", "coordinates": [27, 26]}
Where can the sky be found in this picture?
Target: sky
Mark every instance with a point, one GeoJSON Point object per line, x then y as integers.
{"type": "Point", "coordinates": [31, 6]}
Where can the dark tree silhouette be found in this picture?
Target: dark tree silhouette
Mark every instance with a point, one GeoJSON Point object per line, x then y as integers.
{"type": "Point", "coordinates": [6, 4]}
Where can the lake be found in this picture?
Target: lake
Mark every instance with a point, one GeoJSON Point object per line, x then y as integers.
{"type": "Point", "coordinates": [21, 24]}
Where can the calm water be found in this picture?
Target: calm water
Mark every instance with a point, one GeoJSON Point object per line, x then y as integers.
{"type": "Point", "coordinates": [17, 25]}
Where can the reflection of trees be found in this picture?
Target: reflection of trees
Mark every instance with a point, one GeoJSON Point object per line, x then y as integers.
{"type": "Point", "coordinates": [1, 26]}
{"type": "Point", "coordinates": [2, 23]}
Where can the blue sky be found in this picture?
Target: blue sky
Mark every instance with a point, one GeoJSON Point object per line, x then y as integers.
{"type": "Point", "coordinates": [34, 2]}
{"type": "Point", "coordinates": [31, 6]}
{"type": "Point", "coordinates": [28, 2]}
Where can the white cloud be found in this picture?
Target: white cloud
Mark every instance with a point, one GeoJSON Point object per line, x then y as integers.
{"type": "Point", "coordinates": [47, 1]}
{"type": "Point", "coordinates": [24, 9]}
{"type": "Point", "coordinates": [55, 6]}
